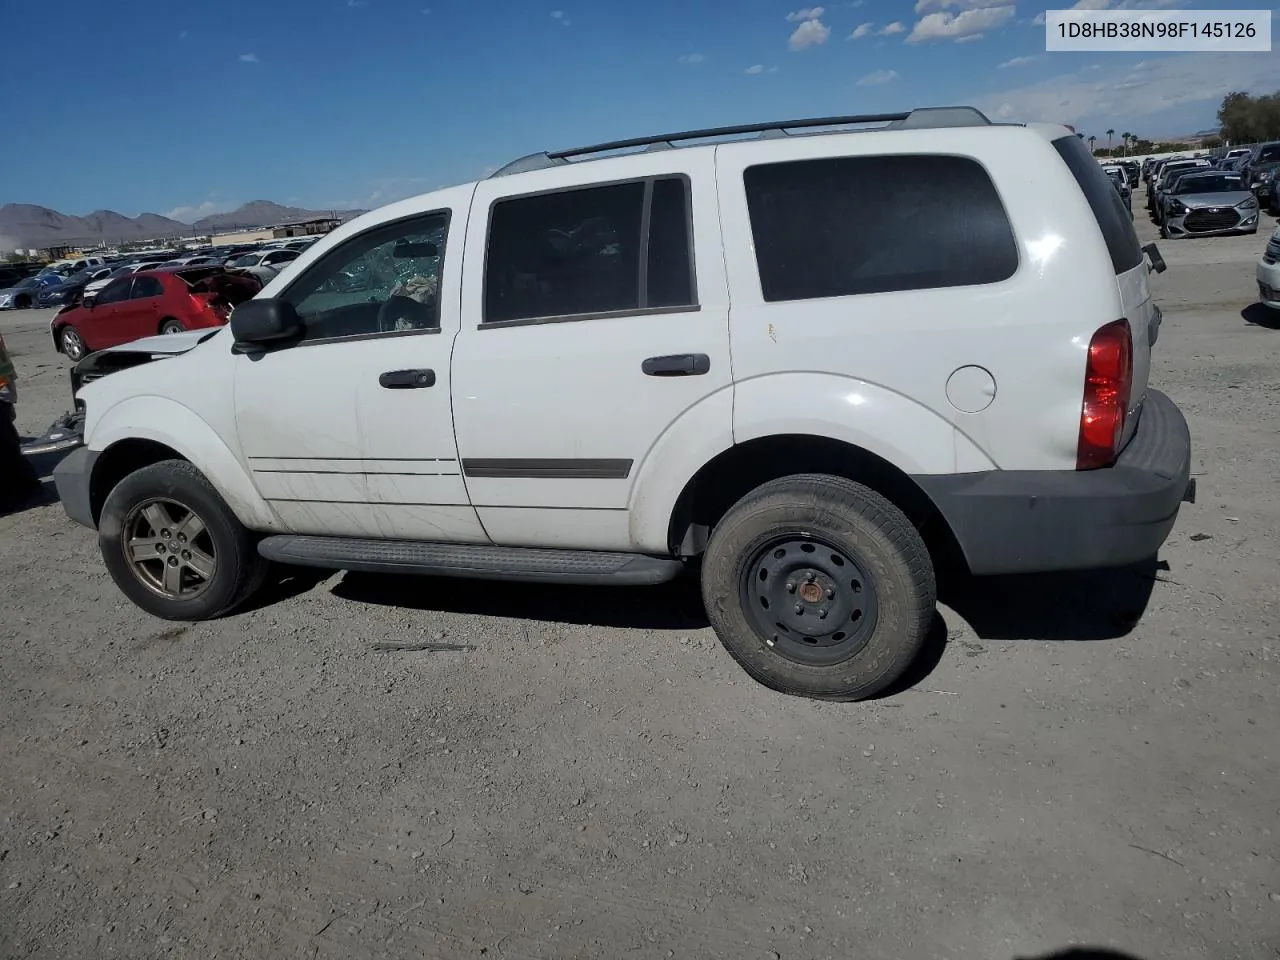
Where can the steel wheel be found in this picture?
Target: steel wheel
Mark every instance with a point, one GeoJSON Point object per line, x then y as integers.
{"type": "Point", "coordinates": [72, 344]}
{"type": "Point", "coordinates": [810, 602]}
{"type": "Point", "coordinates": [169, 549]}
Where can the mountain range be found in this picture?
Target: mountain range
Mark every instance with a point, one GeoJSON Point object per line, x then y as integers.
{"type": "Point", "coordinates": [26, 225]}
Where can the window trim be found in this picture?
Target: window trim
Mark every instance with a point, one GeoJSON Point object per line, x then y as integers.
{"type": "Point", "coordinates": [1000, 199]}
{"type": "Point", "coordinates": [645, 213]}
{"type": "Point", "coordinates": [446, 212]}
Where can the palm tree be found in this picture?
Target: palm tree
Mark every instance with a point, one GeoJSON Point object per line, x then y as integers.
{"type": "Point", "coordinates": [1126, 137]}
{"type": "Point", "coordinates": [1110, 134]}
{"type": "Point", "coordinates": [1092, 141]}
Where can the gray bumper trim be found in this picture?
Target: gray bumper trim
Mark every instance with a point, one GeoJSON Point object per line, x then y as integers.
{"type": "Point", "coordinates": [71, 477]}
{"type": "Point", "coordinates": [1036, 521]}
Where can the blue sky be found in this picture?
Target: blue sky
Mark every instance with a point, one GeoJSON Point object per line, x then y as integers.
{"type": "Point", "coordinates": [195, 107]}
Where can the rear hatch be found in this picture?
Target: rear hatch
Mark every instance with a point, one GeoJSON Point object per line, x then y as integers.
{"type": "Point", "coordinates": [1126, 260]}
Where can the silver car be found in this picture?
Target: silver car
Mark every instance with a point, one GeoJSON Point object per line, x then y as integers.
{"type": "Point", "coordinates": [1207, 204]}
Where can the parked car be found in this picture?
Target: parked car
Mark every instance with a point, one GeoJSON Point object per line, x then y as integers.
{"type": "Point", "coordinates": [1268, 272]}
{"type": "Point", "coordinates": [164, 301]}
{"type": "Point", "coordinates": [1120, 180]}
{"type": "Point", "coordinates": [594, 411]}
{"type": "Point", "coordinates": [1167, 184]}
{"type": "Point", "coordinates": [14, 273]}
{"type": "Point", "coordinates": [123, 270]}
{"type": "Point", "coordinates": [67, 290]}
{"type": "Point", "coordinates": [24, 294]}
{"type": "Point", "coordinates": [1260, 170]}
{"type": "Point", "coordinates": [1162, 178]}
{"type": "Point", "coordinates": [64, 268]}
{"type": "Point", "coordinates": [1156, 170]}
{"type": "Point", "coordinates": [268, 258]}
{"type": "Point", "coordinates": [1132, 172]}
{"type": "Point", "coordinates": [1206, 204]}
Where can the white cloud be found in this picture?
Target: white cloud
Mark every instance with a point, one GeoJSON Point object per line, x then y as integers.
{"type": "Point", "coordinates": [860, 31]}
{"type": "Point", "coordinates": [248, 58]}
{"type": "Point", "coordinates": [1117, 5]}
{"type": "Point", "coordinates": [810, 33]}
{"type": "Point", "coordinates": [808, 13]}
{"type": "Point", "coordinates": [183, 35]}
{"type": "Point", "coordinates": [1017, 62]}
{"type": "Point", "coordinates": [971, 38]}
{"type": "Point", "coordinates": [893, 29]}
{"type": "Point", "coordinates": [879, 78]}
{"type": "Point", "coordinates": [1116, 95]}
{"type": "Point", "coordinates": [356, 4]}
{"type": "Point", "coordinates": [691, 58]}
{"type": "Point", "coordinates": [953, 26]}
{"type": "Point", "coordinates": [190, 214]}
{"type": "Point", "coordinates": [557, 14]}
{"type": "Point", "coordinates": [754, 69]}
{"type": "Point", "coordinates": [930, 6]}
{"type": "Point", "coordinates": [772, 70]}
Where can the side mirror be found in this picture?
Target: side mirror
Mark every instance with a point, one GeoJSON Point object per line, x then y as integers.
{"type": "Point", "coordinates": [1157, 261]}
{"type": "Point", "coordinates": [264, 323]}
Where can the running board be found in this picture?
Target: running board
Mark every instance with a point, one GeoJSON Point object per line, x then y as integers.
{"type": "Point", "coordinates": [470, 560]}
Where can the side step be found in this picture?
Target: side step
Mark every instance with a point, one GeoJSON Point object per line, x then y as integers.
{"type": "Point", "coordinates": [470, 560]}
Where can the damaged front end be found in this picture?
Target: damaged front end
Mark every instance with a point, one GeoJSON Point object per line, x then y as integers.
{"type": "Point", "coordinates": [67, 432]}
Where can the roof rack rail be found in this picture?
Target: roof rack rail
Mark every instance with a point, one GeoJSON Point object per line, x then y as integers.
{"type": "Point", "coordinates": [920, 118]}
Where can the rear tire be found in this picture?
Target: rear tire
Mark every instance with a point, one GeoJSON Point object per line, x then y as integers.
{"type": "Point", "coordinates": [170, 326]}
{"type": "Point", "coordinates": [72, 343]}
{"type": "Point", "coordinates": [819, 587]}
{"type": "Point", "coordinates": [173, 546]}
{"type": "Point", "coordinates": [22, 303]}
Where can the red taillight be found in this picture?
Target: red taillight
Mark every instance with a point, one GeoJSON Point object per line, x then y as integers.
{"type": "Point", "coordinates": [1108, 380]}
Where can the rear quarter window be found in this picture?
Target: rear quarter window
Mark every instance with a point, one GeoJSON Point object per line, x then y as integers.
{"type": "Point", "coordinates": [841, 226]}
{"type": "Point", "coordinates": [1108, 209]}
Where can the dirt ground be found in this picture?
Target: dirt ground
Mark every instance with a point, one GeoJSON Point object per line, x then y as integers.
{"type": "Point", "coordinates": [1079, 760]}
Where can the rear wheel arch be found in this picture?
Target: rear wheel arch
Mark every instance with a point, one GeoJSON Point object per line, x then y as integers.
{"type": "Point", "coordinates": [744, 467]}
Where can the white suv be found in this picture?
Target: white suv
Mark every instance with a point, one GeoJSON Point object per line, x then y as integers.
{"type": "Point", "coordinates": [778, 356]}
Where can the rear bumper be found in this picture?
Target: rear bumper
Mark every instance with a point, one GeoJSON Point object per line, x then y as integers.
{"type": "Point", "coordinates": [1037, 521]}
{"type": "Point", "coordinates": [1268, 275]}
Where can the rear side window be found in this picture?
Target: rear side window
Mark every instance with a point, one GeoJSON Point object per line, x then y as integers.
{"type": "Point", "coordinates": [1108, 209]}
{"type": "Point", "coordinates": [588, 252]}
{"type": "Point", "coordinates": [841, 226]}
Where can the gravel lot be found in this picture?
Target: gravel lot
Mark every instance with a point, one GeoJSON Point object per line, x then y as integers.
{"type": "Point", "coordinates": [1080, 760]}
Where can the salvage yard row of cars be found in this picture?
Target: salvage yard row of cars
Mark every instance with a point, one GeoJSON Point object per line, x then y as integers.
{"type": "Point", "coordinates": [68, 282]}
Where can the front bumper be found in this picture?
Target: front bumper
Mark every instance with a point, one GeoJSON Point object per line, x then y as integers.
{"type": "Point", "coordinates": [1268, 276]}
{"type": "Point", "coordinates": [1037, 521]}
{"type": "Point", "coordinates": [72, 477]}
{"type": "Point", "coordinates": [1246, 222]}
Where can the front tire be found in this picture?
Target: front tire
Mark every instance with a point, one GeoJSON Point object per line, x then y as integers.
{"type": "Point", "coordinates": [820, 587]}
{"type": "Point", "coordinates": [171, 326]}
{"type": "Point", "coordinates": [173, 546]}
{"type": "Point", "coordinates": [72, 343]}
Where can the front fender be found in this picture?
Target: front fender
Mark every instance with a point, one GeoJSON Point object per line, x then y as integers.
{"type": "Point", "coordinates": [894, 427]}
{"type": "Point", "coordinates": [165, 421]}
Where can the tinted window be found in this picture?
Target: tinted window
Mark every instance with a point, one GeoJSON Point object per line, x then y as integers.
{"type": "Point", "coordinates": [115, 291]}
{"type": "Point", "coordinates": [565, 253]}
{"type": "Point", "coordinates": [386, 280]}
{"type": "Point", "coordinates": [1269, 153]}
{"type": "Point", "coordinates": [1108, 209]}
{"type": "Point", "coordinates": [850, 225]}
{"type": "Point", "coordinates": [670, 267]}
{"type": "Point", "coordinates": [145, 286]}
{"type": "Point", "coordinates": [589, 252]}
{"type": "Point", "coordinates": [1203, 184]}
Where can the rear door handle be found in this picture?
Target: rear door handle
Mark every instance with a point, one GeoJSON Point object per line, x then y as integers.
{"type": "Point", "coordinates": [407, 379]}
{"type": "Point", "coordinates": [677, 365]}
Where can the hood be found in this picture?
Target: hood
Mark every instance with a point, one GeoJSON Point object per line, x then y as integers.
{"type": "Point", "coordinates": [1228, 199]}
{"type": "Point", "coordinates": [165, 345]}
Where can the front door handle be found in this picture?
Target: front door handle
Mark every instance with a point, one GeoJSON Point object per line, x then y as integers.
{"type": "Point", "coordinates": [407, 379]}
{"type": "Point", "coordinates": [677, 365]}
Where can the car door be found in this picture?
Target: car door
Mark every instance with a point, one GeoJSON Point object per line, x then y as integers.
{"type": "Point", "coordinates": [587, 335]}
{"type": "Point", "coordinates": [349, 431]}
{"type": "Point", "coordinates": [99, 323]}
{"type": "Point", "coordinates": [140, 314]}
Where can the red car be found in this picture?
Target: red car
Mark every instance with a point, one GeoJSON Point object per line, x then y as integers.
{"type": "Point", "coordinates": [149, 302]}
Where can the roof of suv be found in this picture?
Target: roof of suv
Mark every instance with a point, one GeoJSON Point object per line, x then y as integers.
{"type": "Point", "coordinates": [918, 119]}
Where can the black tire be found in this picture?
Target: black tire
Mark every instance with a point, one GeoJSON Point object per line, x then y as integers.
{"type": "Point", "coordinates": [22, 303]}
{"type": "Point", "coordinates": [837, 518]}
{"type": "Point", "coordinates": [170, 325]}
{"type": "Point", "coordinates": [238, 569]}
{"type": "Point", "coordinates": [73, 345]}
